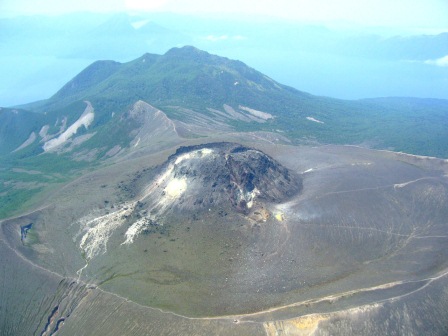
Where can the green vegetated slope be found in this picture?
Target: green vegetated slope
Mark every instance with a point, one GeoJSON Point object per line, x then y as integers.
{"type": "Point", "coordinates": [193, 79]}
{"type": "Point", "coordinates": [16, 125]}
{"type": "Point", "coordinates": [21, 179]}
{"type": "Point", "coordinates": [186, 77]}
{"type": "Point", "coordinates": [416, 126]}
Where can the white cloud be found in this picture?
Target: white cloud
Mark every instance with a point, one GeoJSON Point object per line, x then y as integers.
{"type": "Point", "coordinates": [441, 62]}
{"type": "Point", "coordinates": [214, 38]}
{"type": "Point", "coordinates": [397, 13]}
{"type": "Point", "coordinates": [56, 7]}
{"type": "Point", "coordinates": [152, 5]}
{"type": "Point", "coordinates": [139, 24]}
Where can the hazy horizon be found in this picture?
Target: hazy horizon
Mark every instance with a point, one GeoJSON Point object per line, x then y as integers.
{"type": "Point", "coordinates": [401, 13]}
{"type": "Point", "coordinates": [344, 50]}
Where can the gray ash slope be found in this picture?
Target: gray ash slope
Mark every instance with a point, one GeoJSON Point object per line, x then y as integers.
{"type": "Point", "coordinates": [359, 249]}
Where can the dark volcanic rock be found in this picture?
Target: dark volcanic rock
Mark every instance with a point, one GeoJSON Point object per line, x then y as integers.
{"type": "Point", "coordinates": [225, 174]}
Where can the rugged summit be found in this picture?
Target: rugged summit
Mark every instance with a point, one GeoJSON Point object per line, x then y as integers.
{"type": "Point", "coordinates": [225, 174]}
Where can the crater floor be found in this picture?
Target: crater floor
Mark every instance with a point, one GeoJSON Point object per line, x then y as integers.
{"type": "Point", "coordinates": [237, 239]}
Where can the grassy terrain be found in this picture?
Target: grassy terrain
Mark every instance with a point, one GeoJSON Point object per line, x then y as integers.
{"type": "Point", "coordinates": [192, 79]}
{"type": "Point", "coordinates": [24, 181]}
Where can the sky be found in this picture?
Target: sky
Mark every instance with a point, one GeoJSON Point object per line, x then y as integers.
{"type": "Point", "coordinates": [397, 13]}
{"type": "Point", "coordinates": [29, 77]}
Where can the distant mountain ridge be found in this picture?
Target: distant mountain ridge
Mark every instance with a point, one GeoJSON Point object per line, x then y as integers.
{"type": "Point", "coordinates": [345, 63]}
{"type": "Point", "coordinates": [203, 90]}
{"type": "Point", "coordinates": [114, 111]}
{"type": "Point", "coordinates": [182, 75]}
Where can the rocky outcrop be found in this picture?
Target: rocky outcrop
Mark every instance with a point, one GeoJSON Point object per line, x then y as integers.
{"type": "Point", "coordinates": [225, 174]}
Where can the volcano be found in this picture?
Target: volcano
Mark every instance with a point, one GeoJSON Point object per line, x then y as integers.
{"type": "Point", "coordinates": [179, 195]}
{"type": "Point", "coordinates": [221, 174]}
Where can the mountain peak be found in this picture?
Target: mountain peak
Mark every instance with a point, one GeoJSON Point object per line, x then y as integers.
{"type": "Point", "coordinates": [184, 76]}
{"type": "Point", "coordinates": [188, 52]}
{"type": "Point", "coordinates": [187, 49]}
